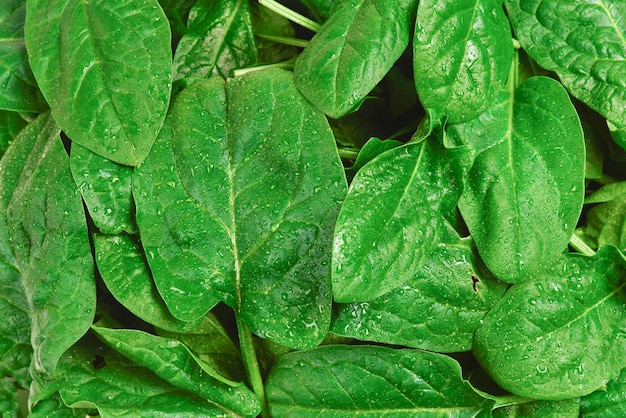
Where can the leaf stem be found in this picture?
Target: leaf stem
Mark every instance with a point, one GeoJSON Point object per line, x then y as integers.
{"type": "Point", "coordinates": [301, 43]}
{"type": "Point", "coordinates": [348, 153]}
{"type": "Point", "coordinates": [580, 246]}
{"type": "Point", "coordinates": [287, 65]}
{"type": "Point", "coordinates": [251, 364]}
{"type": "Point", "coordinates": [289, 14]}
{"type": "Point", "coordinates": [510, 400]}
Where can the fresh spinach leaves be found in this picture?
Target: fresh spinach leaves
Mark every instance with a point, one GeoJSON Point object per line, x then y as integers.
{"type": "Point", "coordinates": [252, 208]}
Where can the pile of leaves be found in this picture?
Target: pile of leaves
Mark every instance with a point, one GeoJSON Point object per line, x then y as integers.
{"type": "Point", "coordinates": [316, 208]}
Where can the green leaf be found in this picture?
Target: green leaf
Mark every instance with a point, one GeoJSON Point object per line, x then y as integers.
{"type": "Point", "coordinates": [268, 23]}
{"type": "Point", "coordinates": [389, 220]}
{"type": "Point", "coordinates": [606, 222]}
{"type": "Point", "coordinates": [173, 362]}
{"type": "Point", "coordinates": [367, 381]}
{"type": "Point", "coordinates": [210, 343]}
{"type": "Point", "coordinates": [583, 42]}
{"type": "Point", "coordinates": [124, 270]}
{"type": "Point", "coordinates": [523, 195]}
{"type": "Point", "coordinates": [352, 52]}
{"type": "Point", "coordinates": [44, 211]}
{"type": "Point", "coordinates": [462, 53]}
{"type": "Point", "coordinates": [9, 406]}
{"type": "Point", "coordinates": [235, 204]}
{"type": "Point", "coordinates": [320, 8]}
{"type": "Point", "coordinates": [372, 148]}
{"type": "Point", "coordinates": [11, 123]}
{"type": "Point", "coordinates": [567, 408]}
{"type": "Point", "coordinates": [608, 402]}
{"type": "Point", "coordinates": [118, 387]}
{"type": "Point", "coordinates": [105, 69]}
{"type": "Point", "coordinates": [219, 39]}
{"type": "Point", "coordinates": [106, 189]}
{"type": "Point", "coordinates": [559, 336]}
{"type": "Point", "coordinates": [19, 89]}
{"type": "Point", "coordinates": [438, 309]}
{"type": "Point", "coordinates": [177, 12]}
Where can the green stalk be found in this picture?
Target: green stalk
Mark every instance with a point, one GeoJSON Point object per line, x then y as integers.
{"type": "Point", "coordinates": [251, 364]}
{"type": "Point", "coordinates": [287, 65]}
{"type": "Point", "coordinates": [348, 153]}
{"type": "Point", "coordinates": [580, 246]}
{"type": "Point", "coordinates": [289, 14]}
{"type": "Point", "coordinates": [301, 43]}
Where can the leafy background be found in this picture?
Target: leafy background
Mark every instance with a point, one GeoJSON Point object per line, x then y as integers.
{"type": "Point", "coordinates": [314, 208]}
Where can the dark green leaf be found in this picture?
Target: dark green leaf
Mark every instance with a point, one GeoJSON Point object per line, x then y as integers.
{"type": "Point", "coordinates": [121, 388]}
{"type": "Point", "coordinates": [559, 336]}
{"type": "Point", "coordinates": [9, 406]}
{"type": "Point", "coordinates": [48, 232]}
{"type": "Point", "coordinates": [372, 148]}
{"type": "Point", "coordinates": [366, 381]}
{"type": "Point", "coordinates": [105, 69]}
{"type": "Point", "coordinates": [177, 12]}
{"type": "Point", "coordinates": [267, 23]}
{"type": "Point", "coordinates": [352, 52]}
{"type": "Point", "coordinates": [219, 39]}
{"type": "Point", "coordinates": [438, 309]}
{"type": "Point", "coordinates": [172, 361]}
{"type": "Point", "coordinates": [320, 8]}
{"type": "Point", "coordinates": [583, 42]}
{"type": "Point", "coordinates": [124, 270]}
{"type": "Point", "coordinates": [11, 123]}
{"type": "Point", "coordinates": [389, 221]}
{"type": "Point", "coordinates": [106, 189]}
{"type": "Point", "coordinates": [608, 402]}
{"type": "Point", "coordinates": [19, 90]}
{"type": "Point", "coordinates": [259, 237]}
{"type": "Point", "coordinates": [524, 193]}
{"type": "Point", "coordinates": [462, 56]}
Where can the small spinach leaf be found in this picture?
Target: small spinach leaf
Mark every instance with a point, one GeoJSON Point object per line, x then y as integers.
{"type": "Point", "coordinates": [105, 70]}
{"type": "Point", "coordinates": [563, 331]}
{"type": "Point", "coordinates": [606, 402]}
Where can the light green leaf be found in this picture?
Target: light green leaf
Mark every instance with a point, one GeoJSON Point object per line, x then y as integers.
{"type": "Point", "coordinates": [606, 222]}
{"type": "Point", "coordinates": [124, 270]}
{"type": "Point", "coordinates": [366, 381]}
{"type": "Point", "coordinates": [236, 204]}
{"type": "Point", "coordinates": [559, 336]}
{"type": "Point", "coordinates": [219, 39]}
{"type": "Point", "coordinates": [106, 189]}
{"type": "Point", "coordinates": [19, 89]}
{"type": "Point", "coordinates": [48, 232]}
{"type": "Point", "coordinates": [172, 361]}
{"type": "Point", "coordinates": [352, 52]}
{"type": "Point", "coordinates": [584, 42]}
{"type": "Point", "coordinates": [389, 221]}
{"type": "Point", "coordinates": [438, 309]}
{"type": "Point", "coordinates": [105, 69]}
{"type": "Point", "coordinates": [607, 402]}
{"type": "Point", "coordinates": [462, 52]}
{"type": "Point", "coordinates": [523, 195]}
{"type": "Point", "coordinates": [118, 387]}
{"type": "Point", "coordinates": [567, 408]}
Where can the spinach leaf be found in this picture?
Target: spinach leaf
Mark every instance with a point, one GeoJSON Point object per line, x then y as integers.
{"type": "Point", "coordinates": [523, 194]}
{"type": "Point", "coordinates": [606, 402]}
{"type": "Point", "coordinates": [354, 49]}
{"type": "Point", "coordinates": [462, 54]}
{"type": "Point", "coordinates": [11, 123]}
{"type": "Point", "coordinates": [105, 70]}
{"type": "Point", "coordinates": [19, 90]}
{"type": "Point", "coordinates": [58, 280]}
{"type": "Point", "coordinates": [583, 42]}
{"type": "Point", "coordinates": [606, 222]}
{"type": "Point", "coordinates": [260, 239]}
{"type": "Point", "coordinates": [390, 218]}
{"type": "Point", "coordinates": [320, 383]}
{"type": "Point", "coordinates": [562, 331]}
{"type": "Point", "coordinates": [437, 309]}
{"type": "Point", "coordinates": [567, 408]}
{"type": "Point", "coordinates": [219, 39]}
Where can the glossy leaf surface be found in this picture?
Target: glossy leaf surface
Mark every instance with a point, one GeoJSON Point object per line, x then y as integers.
{"type": "Point", "coordinates": [45, 210]}
{"type": "Point", "coordinates": [567, 408]}
{"type": "Point", "coordinates": [106, 189]}
{"type": "Point", "coordinates": [524, 193]}
{"type": "Point", "coordinates": [19, 89]}
{"type": "Point", "coordinates": [583, 42]}
{"type": "Point", "coordinates": [352, 52]}
{"type": "Point", "coordinates": [172, 361]}
{"type": "Point", "coordinates": [259, 237]}
{"type": "Point", "coordinates": [562, 331]}
{"type": "Point", "coordinates": [608, 402]}
{"type": "Point", "coordinates": [396, 383]}
{"type": "Point", "coordinates": [390, 218]}
{"type": "Point", "coordinates": [121, 388]}
{"type": "Point", "coordinates": [462, 55]}
{"type": "Point", "coordinates": [125, 272]}
{"type": "Point", "coordinates": [104, 69]}
{"type": "Point", "coordinates": [219, 39]}
{"type": "Point", "coordinates": [437, 309]}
